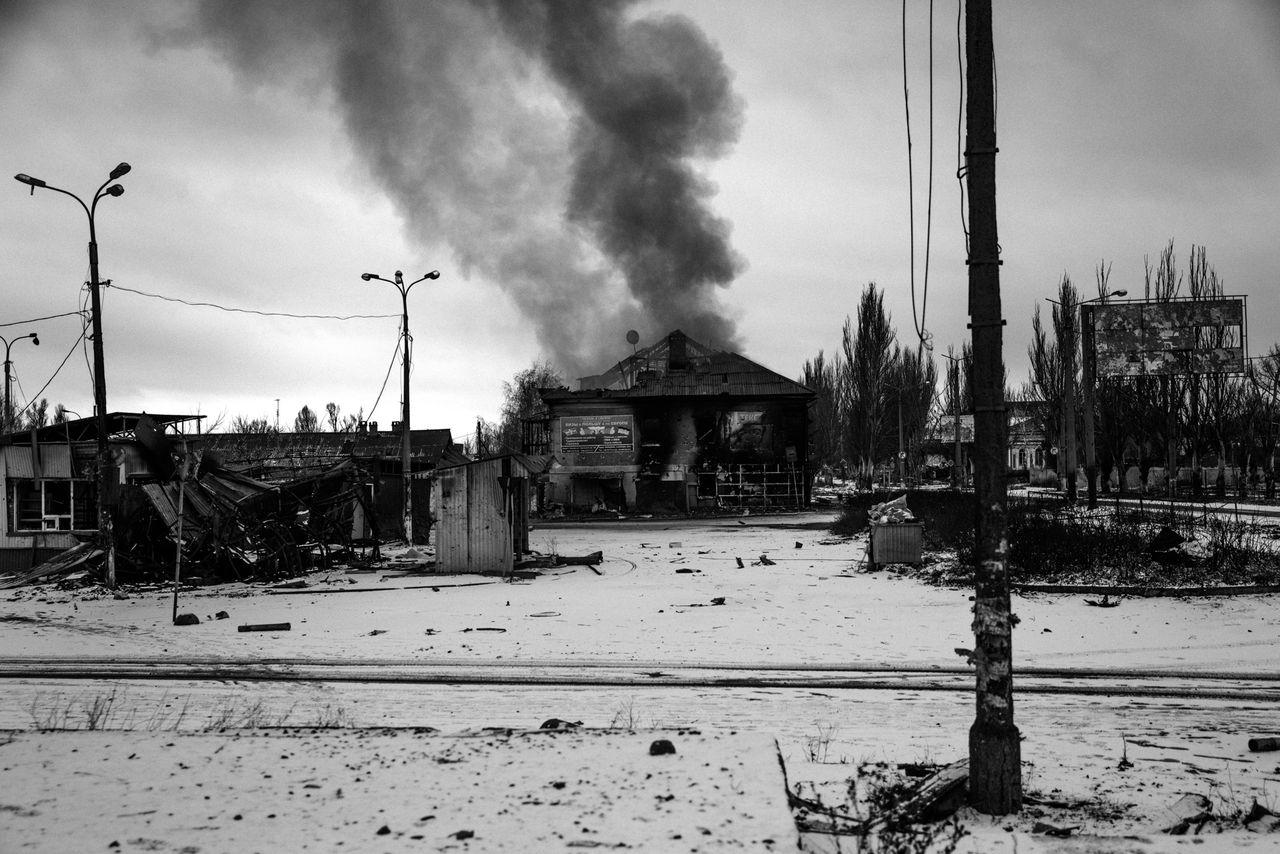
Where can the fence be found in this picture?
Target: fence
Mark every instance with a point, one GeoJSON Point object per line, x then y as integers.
{"type": "Point", "coordinates": [760, 485]}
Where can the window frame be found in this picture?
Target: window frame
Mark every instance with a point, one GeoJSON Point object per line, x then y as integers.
{"type": "Point", "coordinates": [46, 522]}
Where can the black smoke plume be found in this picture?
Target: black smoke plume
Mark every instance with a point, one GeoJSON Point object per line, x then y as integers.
{"type": "Point", "coordinates": [553, 146]}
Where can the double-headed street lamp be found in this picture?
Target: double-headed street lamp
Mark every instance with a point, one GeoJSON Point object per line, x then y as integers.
{"type": "Point", "coordinates": [99, 370]}
{"type": "Point", "coordinates": [8, 412]}
{"type": "Point", "coordinates": [1087, 349]}
{"type": "Point", "coordinates": [404, 410]}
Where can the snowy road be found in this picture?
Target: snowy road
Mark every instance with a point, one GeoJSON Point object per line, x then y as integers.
{"type": "Point", "coordinates": [821, 730]}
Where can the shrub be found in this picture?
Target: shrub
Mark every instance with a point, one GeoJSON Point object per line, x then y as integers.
{"type": "Point", "coordinates": [1051, 542]}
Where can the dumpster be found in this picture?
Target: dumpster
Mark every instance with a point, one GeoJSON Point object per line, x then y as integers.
{"type": "Point", "coordinates": [895, 542]}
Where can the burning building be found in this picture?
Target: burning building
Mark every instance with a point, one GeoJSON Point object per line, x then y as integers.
{"type": "Point", "coordinates": [676, 427]}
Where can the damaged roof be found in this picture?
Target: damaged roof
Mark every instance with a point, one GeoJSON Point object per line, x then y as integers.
{"type": "Point", "coordinates": [119, 425]}
{"type": "Point", "coordinates": [295, 452]}
{"type": "Point", "coordinates": [678, 366]}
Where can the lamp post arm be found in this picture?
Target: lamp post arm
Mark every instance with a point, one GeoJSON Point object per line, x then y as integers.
{"type": "Point", "coordinates": [79, 201]}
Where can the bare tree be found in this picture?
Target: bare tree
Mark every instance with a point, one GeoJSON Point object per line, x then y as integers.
{"type": "Point", "coordinates": [1044, 382]}
{"type": "Point", "coordinates": [868, 361]}
{"type": "Point", "coordinates": [826, 420]}
{"type": "Point", "coordinates": [521, 402]}
{"type": "Point", "coordinates": [484, 441]}
{"type": "Point", "coordinates": [37, 414]}
{"type": "Point", "coordinates": [911, 392]}
{"type": "Point", "coordinates": [306, 421]}
{"type": "Point", "coordinates": [351, 423]}
{"type": "Point", "coordinates": [1220, 396]}
{"type": "Point", "coordinates": [332, 412]}
{"type": "Point", "coordinates": [244, 424]}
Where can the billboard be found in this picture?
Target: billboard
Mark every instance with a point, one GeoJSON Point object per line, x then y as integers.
{"type": "Point", "coordinates": [1196, 336]}
{"type": "Point", "coordinates": [597, 433]}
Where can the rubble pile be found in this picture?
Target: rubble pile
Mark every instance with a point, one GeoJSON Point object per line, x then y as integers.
{"type": "Point", "coordinates": [891, 512]}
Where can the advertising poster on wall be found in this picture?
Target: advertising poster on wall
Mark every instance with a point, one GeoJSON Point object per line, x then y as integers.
{"type": "Point", "coordinates": [597, 433]}
{"type": "Point", "coordinates": [747, 433]}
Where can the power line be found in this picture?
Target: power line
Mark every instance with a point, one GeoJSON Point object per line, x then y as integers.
{"type": "Point", "coordinates": [32, 400]}
{"type": "Point", "coordinates": [918, 319]}
{"type": "Point", "coordinates": [251, 310]}
{"type": "Point", "coordinates": [928, 217]}
{"type": "Point", "coordinates": [46, 317]}
{"type": "Point", "coordinates": [84, 333]}
{"type": "Point", "coordinates": [962, 168]}
{"type": "Point", "coordinates": [392, 364]}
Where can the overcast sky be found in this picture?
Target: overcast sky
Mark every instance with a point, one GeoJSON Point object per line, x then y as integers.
{"type": "Point", "coordinates": [279, 153]}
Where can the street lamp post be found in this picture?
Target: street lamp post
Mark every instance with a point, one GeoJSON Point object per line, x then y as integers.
{"type": "Point", "coordinates": [902, 448]}
{"type": "Point", "coordinates": [404, 408]}
{"type": "Point", "coordinates": [105, 529]}
{"type": "Point", "coordinates": [8, 411]}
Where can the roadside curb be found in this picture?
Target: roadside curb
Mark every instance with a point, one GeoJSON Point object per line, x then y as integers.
{"type": "Point", "coordinates": [1147, 592]}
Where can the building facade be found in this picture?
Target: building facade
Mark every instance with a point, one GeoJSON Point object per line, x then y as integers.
{"type": "Point", "coordinates": [676, 427]}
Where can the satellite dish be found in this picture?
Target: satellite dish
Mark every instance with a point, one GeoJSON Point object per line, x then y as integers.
{"type": "Point", "coordinates": [633, 337]}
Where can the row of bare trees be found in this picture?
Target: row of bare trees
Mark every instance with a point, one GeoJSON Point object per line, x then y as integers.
{"type": "Point", "coordinates": [306, 421]}
{"type": "Point", "coordinates": [33, 415]}
{"type": "Point", "coordinates": [874, 387]}
{"type": "Point", "coordinates": [874, 398]}
{"type": "Point", "coordinates": [1189, 421]}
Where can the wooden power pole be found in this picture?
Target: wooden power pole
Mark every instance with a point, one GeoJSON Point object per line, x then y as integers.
{"type": "Point", "coordinates": [995, 773]}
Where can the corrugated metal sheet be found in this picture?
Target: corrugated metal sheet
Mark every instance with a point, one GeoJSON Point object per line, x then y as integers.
{"type": "Point", "coordinates": [159, 499]}
{"type": "Point", "coordinates": [449, 495]}
{"type": "Point", "coordinates": [22, 559]}
{"type": "Point", "coordinates": [473, 531]}
{"type": "Point", "coordinates": [55, 462]}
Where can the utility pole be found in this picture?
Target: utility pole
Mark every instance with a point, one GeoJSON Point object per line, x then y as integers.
{"type": "Point", "coordinates": [995, 773]}
{"type": "Point", "coordinates": [1089, 356]}
{"type": "Point", "coordinates": [902, 454]}
{"type": "Point", "coordinates": [1069, 401]}
{"type": "Point", "coordinates": [405, 455]}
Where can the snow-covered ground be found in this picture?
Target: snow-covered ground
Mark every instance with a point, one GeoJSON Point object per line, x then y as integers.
{"type": "Point", "coordinates": [800, 597]}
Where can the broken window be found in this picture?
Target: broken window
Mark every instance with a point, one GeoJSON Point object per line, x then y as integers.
{"type": "Point", "coordinates": [51, 505]}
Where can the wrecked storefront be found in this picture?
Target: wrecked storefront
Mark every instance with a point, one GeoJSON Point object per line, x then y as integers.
{"type": "Point", "coordinates": [676, 427]}
{"type": "Point", "coordinates": [278, 458]}
{"type": "Point", "coordinates": [50, 487]}
{"type": "Point", "coordinates": [166, 487]}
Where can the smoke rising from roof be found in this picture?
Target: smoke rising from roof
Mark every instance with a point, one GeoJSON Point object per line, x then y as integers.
{"type": "Point", "coordinates": [582, 198]}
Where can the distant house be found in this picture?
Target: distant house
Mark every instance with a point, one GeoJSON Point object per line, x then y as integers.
{"type": "Point", "coordinates": [1027, 455]}
{"type": "Point", "coordinates": [676, 427]}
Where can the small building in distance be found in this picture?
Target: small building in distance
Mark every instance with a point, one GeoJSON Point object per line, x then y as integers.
{"type": "Point", "coordinates": [676, 427]}
{"type": "Point", "coordinates": [483, 513]}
